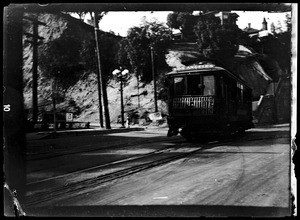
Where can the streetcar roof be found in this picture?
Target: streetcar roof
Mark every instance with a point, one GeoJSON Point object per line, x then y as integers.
{"type": "Point", "coordinates": [202, 68]}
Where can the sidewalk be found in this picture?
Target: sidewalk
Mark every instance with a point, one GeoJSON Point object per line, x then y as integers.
{"type": "Point", "coordinates": [81, 132]}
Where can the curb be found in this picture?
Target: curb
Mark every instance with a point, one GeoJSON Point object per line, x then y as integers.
{"type": "Point", "coordinates": [49, 135]}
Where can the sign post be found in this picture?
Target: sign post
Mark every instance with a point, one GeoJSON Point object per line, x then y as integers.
{"type": "Point", "coordinates": [69, 116]}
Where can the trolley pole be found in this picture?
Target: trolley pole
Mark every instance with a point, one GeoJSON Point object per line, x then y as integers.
{"type": "Point", "coordinates": [154, 79]}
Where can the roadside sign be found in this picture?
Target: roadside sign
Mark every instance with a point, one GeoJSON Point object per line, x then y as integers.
{"type": "Point", "coordinates": [155, 116]}
{"type": "Point", "coordinates": [69, 116]}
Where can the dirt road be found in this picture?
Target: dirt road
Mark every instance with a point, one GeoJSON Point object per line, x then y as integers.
{"type": "Point", "coordinates": [248, 171]}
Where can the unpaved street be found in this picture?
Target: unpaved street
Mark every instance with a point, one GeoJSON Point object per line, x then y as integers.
{"type": "Point", "coordinates": [146, 168]}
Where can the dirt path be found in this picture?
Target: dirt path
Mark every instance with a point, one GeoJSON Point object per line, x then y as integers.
{"type": "Point", "coordinates": [248, 175]}
{"type": "Point", "coordinates": [249, 171]}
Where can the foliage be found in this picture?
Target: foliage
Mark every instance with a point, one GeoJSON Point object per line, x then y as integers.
{"type": "Point", "coordinates": [60, 59]}
{"type": "Point", "coordinates": [100, 16]}
{"type": "Point", "coordinates": [184, 21]}
{"type": "Point", "coordinates": [137, 46]}
{"type": "Point", "coordinates": [218, 41]}
{"type": "Point", "coordinates": [109, 46]}
{"type": "Point", "coordinates": [288, 22]}
{"type": "Point", "coordinates": [122, 55]}
{"type": "Point", "coordinates": [67, 57]}
{"type": "Point", "coordinates": [276, 45]}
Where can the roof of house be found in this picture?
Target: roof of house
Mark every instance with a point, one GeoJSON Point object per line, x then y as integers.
{"type": "Point", "coordinates": [251, 30]}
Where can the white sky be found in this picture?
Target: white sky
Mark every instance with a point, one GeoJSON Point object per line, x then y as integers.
{"type": "Point", "coordinates": [120, 22]}
{"type": "Point", "coordinates": [256, 19]}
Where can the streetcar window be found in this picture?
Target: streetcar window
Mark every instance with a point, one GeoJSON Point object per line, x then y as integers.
{"type": "Point", "coordinates": [209, 85]}
{"type": "Point", "coordinates": [179, 86]}
{"type": "Point", "coordinates": [195, 85]}
{"type": "Point", "coordinates": [200, 85]}
{"type": "Point", "coordinates": [240, 91]}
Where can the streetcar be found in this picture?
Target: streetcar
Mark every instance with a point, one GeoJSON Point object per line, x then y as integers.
{"type": "Point", "coordinates": [206, 100]}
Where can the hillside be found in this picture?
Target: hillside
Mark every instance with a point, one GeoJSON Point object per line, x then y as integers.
{"type": "Point", "coordinates": [82, 97]}
{"type": "Point", "coordinates": [85, 95]}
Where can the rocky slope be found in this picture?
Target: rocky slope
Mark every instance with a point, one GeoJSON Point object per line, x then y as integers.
{"type": "Point", "coordinates": [82, 98]}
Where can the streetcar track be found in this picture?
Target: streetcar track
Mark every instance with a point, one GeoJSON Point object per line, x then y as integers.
{"type": "Point", "coordinates": [176, 141]}
{"type": "Point", "coordinates": [81, 185]}
{"type": "Point", "coordinates": [78, 187]}
{"type": "Point", "coordinates": [80, 149]}
{"type": "Point", "coordinates": [130, 159]}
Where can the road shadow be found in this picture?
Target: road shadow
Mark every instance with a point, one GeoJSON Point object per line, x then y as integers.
{"type": "Point", "coordinates": [160, 211]}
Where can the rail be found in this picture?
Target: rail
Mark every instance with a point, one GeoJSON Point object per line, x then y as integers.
{"type": "Point", "coordinates": [67, 191]}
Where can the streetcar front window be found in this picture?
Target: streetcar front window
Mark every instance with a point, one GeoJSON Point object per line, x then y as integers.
{"type": "Point", "coordinates": [200, 85]}
{"type": "Point", "coordinates": [209, 82]}
{"type": "Point", "coordinates": [179, 86]}
{"type": "Point", "coordinates": [194, 85]}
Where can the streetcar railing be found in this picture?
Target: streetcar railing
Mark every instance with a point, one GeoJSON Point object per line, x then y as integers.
{"type": "Point", "coordinates": [203, 104]}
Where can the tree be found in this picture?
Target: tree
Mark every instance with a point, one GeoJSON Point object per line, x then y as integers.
{"type": "Point", "coordinates": [138, 42]}
{"type": "Point", "coordinates": [277, 45]}
{"type": "Point", "coordinates": [66, 58]}
{"type": "Point", "coordinates": [109, 47]}
{"type": "Point", "coordinates": [60, 59]}
{"type": "Point", "coordinates": [172, 21]}
{"type": "Point", "coordinates": [279, 27]}
{"type": "Point", "coordinates": [218, 41]}
{"type": "Point", "coordinates": [184, 21]}
{"type": "Point", "coordinates": [288, 22]}
{"type": "Point", "coordinates": [122, 55]}
{"type": "Point", "coordinates": [81, 15]}
{"type": "Point", "coordinates": [272, 28]}
{"type": "Point", "coordinates": [91, 21]}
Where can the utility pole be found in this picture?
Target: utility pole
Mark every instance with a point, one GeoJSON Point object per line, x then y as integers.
{"type": "Point", "coordinates": [138, 89]}
{"type": "Point", "coordinates": [102, 81]}
{"type": "Point", "coordinates": [34, 36]}
{"type": "Point", "coordinates": [54, 97]}
{"type": "Point", "coordinates": [154, 79]}
{"type": "Point", "coordinates": [99, 94]}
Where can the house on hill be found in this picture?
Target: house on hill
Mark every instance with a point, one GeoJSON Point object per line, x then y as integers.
{"type": "Point", "coordinates": [252, 32]}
